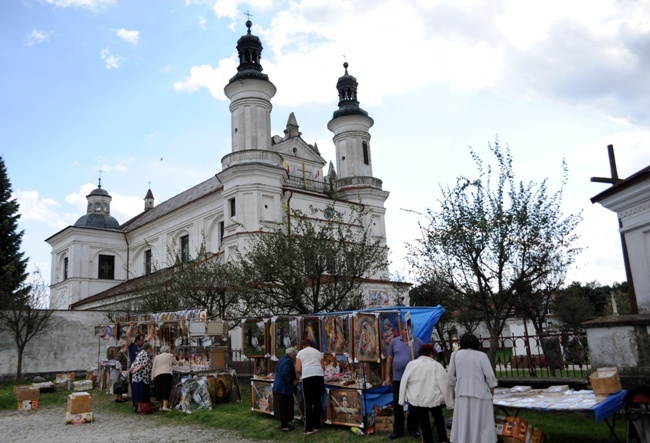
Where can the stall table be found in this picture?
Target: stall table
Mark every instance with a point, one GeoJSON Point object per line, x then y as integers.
{"type": "Point", "coordinates": [604, 407]}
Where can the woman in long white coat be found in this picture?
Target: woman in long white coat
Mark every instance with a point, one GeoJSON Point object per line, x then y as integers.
{"type": "Point", "coordinates": [472, 375]}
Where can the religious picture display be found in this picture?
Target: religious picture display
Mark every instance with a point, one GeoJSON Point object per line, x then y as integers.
{"type": "Point", "coordinates": [261, 367]}
{"type": "Point", "coordinates": [262, 396]}
{"type": "Point", "coordinates": [111, 352]}
{"type": "Point", "coordinates": [345, 407]}
{"type": "Point", "coordinates": [366, 338]}
{"type": "Point", "coordinates": [105, 332]}
{"type": "Point", "coordinates": [372, 372]}
{"type": "Point", "coordinates": [389, 328]}
{"type": "Point", "coordinates": [311, 331]}
{"type": "Point", "coordinates": [336, 333]}
{"type": "Point", "coordinates": [285, 331]}
{"type": "Point", "coordinates": [254, 334]}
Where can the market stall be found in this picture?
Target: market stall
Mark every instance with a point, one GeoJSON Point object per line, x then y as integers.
{"type": "Point", "coordinates": [557, 398]}
{"type": "Point", "coordinates": [354, 344]}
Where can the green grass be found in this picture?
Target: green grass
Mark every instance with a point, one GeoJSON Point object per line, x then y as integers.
{"type": "Point", "coordinates": [561, 427]}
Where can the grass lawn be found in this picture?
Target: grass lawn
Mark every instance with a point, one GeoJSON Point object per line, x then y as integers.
{"type": "Point", "coordinates": [561, 427]}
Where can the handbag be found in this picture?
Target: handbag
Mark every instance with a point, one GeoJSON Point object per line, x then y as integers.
{"type": "Point", "coordinates": [120, 386]}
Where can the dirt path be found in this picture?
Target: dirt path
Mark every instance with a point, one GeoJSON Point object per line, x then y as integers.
{"type": "Point", "coordinates": [48, 425]}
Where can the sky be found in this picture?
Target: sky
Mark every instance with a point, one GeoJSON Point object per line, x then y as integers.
{"type": "Point", "coordinates": [134, 89]}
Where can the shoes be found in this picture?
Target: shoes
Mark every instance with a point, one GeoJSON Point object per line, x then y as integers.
{"type": "Point", "coordinates": [415, 434]}
{"type": "Point", "coordinates": [165, 409]}
{"type": "Point", "coordinates": [119, 400]}
{"type": "Point", "coordinates": [288, 428]}
{"type": "Point", "coordinates": [307, 432]}
{"type": "Point", "coordinates": [316, 429]}
{"type": "Point", "coordinates": [394, 436]}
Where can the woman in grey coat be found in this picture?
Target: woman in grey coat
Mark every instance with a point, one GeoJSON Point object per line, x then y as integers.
{"type": "Point", "coordinates": [472, 375]}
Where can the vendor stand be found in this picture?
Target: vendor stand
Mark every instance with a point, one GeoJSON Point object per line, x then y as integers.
{"type": "Point", "coordinates": [354, 344]}
{"type": "Point", "coordinates": [561, 398]}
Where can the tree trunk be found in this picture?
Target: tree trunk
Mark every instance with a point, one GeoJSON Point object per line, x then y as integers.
{"type": "Point", "coordinates": [19, 367]}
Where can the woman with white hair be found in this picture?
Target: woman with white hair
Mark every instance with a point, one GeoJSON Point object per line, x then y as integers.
{"type": "Point", "coordinates": [283, 387]}
{"type": "Point", "coordinates": [161, 374]}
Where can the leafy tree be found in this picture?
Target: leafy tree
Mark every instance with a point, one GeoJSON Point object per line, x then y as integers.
{"type": "Point", "coordinates": [573, 309]}
{"type": "Point", "coordinates": [494, 240]}
{"type": "Point", "coordinates": [309, 264]}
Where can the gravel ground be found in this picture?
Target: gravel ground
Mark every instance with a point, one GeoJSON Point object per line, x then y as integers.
{"type": "Point", "coordinates": [47, 424]}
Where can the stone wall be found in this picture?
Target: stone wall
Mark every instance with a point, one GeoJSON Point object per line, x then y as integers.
{"type": "Point", "coordinates": [68, 345]}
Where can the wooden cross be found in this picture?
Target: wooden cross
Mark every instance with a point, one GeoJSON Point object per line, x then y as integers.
{"type": "Point", "coordinates": [247, 14]}
{"type": "Point", "coordinates": [612, 167]}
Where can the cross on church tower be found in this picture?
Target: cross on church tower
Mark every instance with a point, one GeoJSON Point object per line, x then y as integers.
{"type": "Point", "coordinates": [100, 177]}
{"type": "Point", "coordinates": [612, 167]}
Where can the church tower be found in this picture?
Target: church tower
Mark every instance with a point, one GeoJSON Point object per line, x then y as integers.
{"type": "Point", "coordinates": [252, 174]}
{"type": "Point", "coordinates": [250, 93]}
{"type": "Point", "coordinates": [350, 125]}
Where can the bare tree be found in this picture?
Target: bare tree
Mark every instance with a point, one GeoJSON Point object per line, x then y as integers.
{"type": "Point", "coordinates": [25, 316]}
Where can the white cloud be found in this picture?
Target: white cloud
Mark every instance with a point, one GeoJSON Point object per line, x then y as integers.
{"type": "Point", "coordinates": [128, 36]}
{"type": "Point", "coordinates": [202, 22]}
{"type": "Point", "coordinates": [206, 76]}
{"type": "Point", "coordinates": [111, 61]}
{"type": "Point", "coordinates": [35, 208]}
{"type": "Point", "coordinates": [90, 4]}
{"type": "Point", "coordinates": [36, 37]}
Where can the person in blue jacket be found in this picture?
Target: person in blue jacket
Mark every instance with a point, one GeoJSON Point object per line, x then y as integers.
{"type": "Point", "coordinates": [283, 386]}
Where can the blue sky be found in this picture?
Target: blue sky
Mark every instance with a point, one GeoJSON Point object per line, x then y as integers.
{"type": "Point", "coordinates": [135, 88]}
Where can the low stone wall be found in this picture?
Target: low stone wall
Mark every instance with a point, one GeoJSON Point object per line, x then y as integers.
{"type": "Point", "coordinates": [68, 345]}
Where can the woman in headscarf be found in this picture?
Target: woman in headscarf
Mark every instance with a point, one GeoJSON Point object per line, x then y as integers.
{"type": "Point", "coordinates": [283, 386]}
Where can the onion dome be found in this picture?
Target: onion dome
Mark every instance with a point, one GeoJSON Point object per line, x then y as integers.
{"type": "Point", "coordinates": [249, 48]}
{"type": "Point", "coordinates": [348, 103]}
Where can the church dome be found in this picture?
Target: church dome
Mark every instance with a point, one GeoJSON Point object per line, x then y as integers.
{"type": "Point", "coordinates": [99, 221]}
{"type": "Point", "coordinates": [249, 48]}
{"type": "Point", "coordinates": [348, 102]}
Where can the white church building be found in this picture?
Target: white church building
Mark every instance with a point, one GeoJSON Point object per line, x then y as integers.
{"type": "Point", "coordinates": [95, 261]}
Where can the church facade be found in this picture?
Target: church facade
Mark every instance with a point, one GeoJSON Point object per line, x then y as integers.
{"type": "Point", "coordinates": [96, 261]}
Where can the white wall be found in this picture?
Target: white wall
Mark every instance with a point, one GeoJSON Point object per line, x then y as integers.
{"type": "Point", "coordinates": [68, 345]}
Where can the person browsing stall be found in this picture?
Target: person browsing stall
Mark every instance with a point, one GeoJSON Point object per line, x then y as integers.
{"type": "Point", "coordinates": [309, 363]}
{"type": "Point", "coordinates": [472, 375]}
{"type": "Point", "coordinates": [161, 374]}
{"type": "Point", "coordinates": [141, 371]}
{"type": "Point", "coordinates": [399, 355]}
{"type": "Point", "coordinates": [426, 387]}
{"type": "Point", "coordinates": [283, 387]}
{"type": "Point", "coordinates": [134, 345]}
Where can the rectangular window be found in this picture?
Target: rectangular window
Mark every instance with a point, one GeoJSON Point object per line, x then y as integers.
{"type": "Point", "coordinates": [222, 228]}
{"type": "Point", "coordinates": [106, 267]}
{"type": "Point", "coordinates": [366, 156]}
{"type": "Point", "coordinates": [185, 249]}
{"type": "Point", "coordinates": [233, 209]}
{"type": "Point", "coordinates": [65, 268]}
{"type": "Point", "coordinates": [147, 261]}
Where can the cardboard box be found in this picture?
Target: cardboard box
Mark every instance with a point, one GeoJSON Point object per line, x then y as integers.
{"type": "Point", "coordinates": [508, 426]}
{"type": "Point", "coordinates": [64, 380]}
{"type": "Point", "coordinates": [78, 419]}
{"type": "Point", "coordinates": [82, 385]}
{"type": "Point", "coordinates": [537, 435]}
{"type": "Point", "coordinates": [520, 429]}
{"type": "Point", "coordinates": [28, 398]}
{"type": "Point", "coordinates": [384, 423]}
{"type": "Point", "coordinates": [79, 402]}
{"type": "Point", "coordinates": [605, 381]}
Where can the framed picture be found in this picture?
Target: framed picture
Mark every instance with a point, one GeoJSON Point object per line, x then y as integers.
{"type": "Point", "coordinates": [345, 407]}
{"type": "Point", "coordinates": [366, 338]}
{"type": "Point", "coordinates": [285, 335]}
{"type": "Point", "coordinates": [373, 373]}
{"type": "Point", "coordinates": [262, 396]}
{"type": "Point", "coordinates": [389, 323]}
{"type": "Point", "coordinates": [253, 338]}
{"type": "Point", "coordinates": [310, 329]}
{"type": "Point", "coordinates": [261, 367]}
{"type": "Point", "coordinates": [336, 333]}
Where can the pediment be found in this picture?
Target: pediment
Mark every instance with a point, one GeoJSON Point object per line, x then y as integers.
{"type": "Point", "coordinates": [296, 150]}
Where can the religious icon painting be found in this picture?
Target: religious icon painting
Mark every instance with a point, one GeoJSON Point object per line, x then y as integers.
{"type": "Point", "coordinates": [336, 334]}
{"type": "Point", "coordinates": [107, 333]}
{"type": "Point", "coordinates": [253, 336]}
{"type": "Point", "coordinates": [389, 323]}
{"type": "Point", "coordinates": [366, 338]}
{"type": "Point", "coordinates": [345, 407]}
{"type": "Point", "coordinates": [111, 352]}
{"type": "Point", "coordinates": [311, 331]}
{"type": "Point", "coordinates": [262, 396]}
{"type": "Point", "coordinates": [100, 330]}
{"type": "Point", "coordinates": [285, 335]}
{"type": "Point", "coordinates": [373, 373]}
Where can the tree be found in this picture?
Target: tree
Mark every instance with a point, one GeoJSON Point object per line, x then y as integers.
{"type": "Point", "coordinates": [493, 240]}
{"type": "Point", "coordinates": [19, 300]}
{"type": "Point", "coordinates": [25, 316]}
{"type": "Point", "coordinates": [311, 264]}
